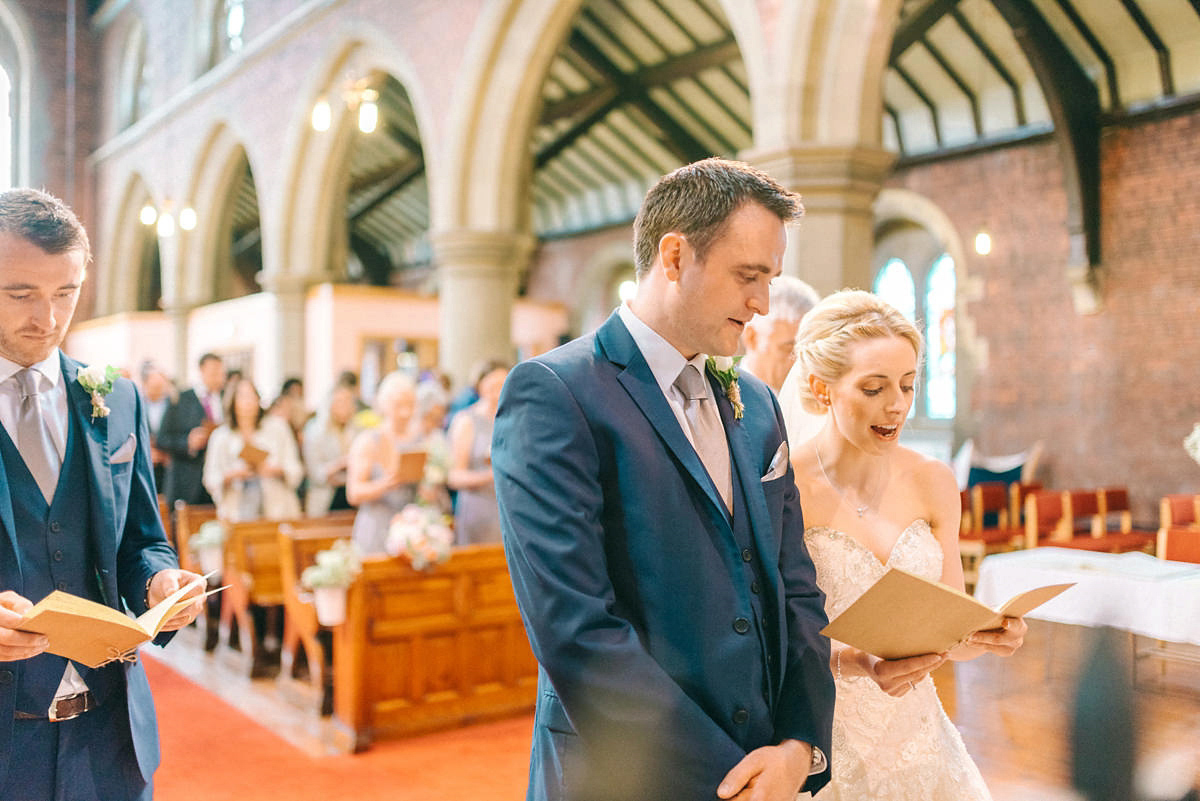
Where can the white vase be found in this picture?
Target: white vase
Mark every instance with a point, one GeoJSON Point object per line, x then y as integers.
{"type": "Point", "coordinates": [210, 559]}
{"type": "Point", "coordinates": [331, 605]}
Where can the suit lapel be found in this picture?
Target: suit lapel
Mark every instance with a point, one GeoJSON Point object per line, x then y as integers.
{"type": "Point", "coordinates": [637, 379]}
{"type": "Point", "coordinates": [747, 470]}
{"type": "Point", "coordinates": [92, 435]}
{"type": "Point", "coordinates": [12, 575]}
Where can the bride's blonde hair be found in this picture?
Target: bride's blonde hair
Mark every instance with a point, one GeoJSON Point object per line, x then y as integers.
{"type": "Point", "coordinates": [833, 326]}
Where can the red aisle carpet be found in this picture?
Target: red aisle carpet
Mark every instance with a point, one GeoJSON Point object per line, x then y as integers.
{"type": "Point", "coordinates": [212, 752]}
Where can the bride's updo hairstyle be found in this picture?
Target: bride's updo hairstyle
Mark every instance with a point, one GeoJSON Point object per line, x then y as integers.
{"type": "Point", "coordinates": [834, 325]}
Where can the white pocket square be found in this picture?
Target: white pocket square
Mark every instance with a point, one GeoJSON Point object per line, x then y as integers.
{"type": "Point", "coordinates": [779, 463]}
{"type": "Point", "coordinates": [125, 452]}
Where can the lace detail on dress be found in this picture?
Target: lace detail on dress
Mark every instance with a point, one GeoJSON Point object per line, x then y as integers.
{"type": "Point", "coordinates": [883, 747]}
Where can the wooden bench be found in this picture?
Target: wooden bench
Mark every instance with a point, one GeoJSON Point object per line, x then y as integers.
{"type": "Point", "coordinates": [298, 548]}
{"type": "Point", "coordinates": [188, 519]}
{"type": "Point", "coordinates": [421, 651]}
{"type": "Point", "coordinates": [254, 578]}
{"type": "Point", "coordinates": [1070, 519]}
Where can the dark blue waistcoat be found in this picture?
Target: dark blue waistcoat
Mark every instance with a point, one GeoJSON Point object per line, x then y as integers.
{"type": "Point", "coordinates": [55, 552]}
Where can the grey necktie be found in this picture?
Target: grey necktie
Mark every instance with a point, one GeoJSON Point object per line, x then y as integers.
{"type": "Point", "coordinates": [33, 438]}
{"type": "Point", "coordinates": [707, 432]}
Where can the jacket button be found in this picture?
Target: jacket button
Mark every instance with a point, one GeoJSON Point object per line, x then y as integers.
{"type": "Point", "coordinates": [747, 555]}
{"type": "Point", "coordinates": [741, 716]}
{"type": "Point", "coordinates": [741, 625]}
{"type": "Point", "coordinates": [62, 585]}
{"type": "Point", "coordinates": [58, 556]}
{"type": "Point", "coordinates": [6, 677]}
{"type": "Point", "coordinates": [54, 526]}
{"type": "Point", "coordinates": [754, 588]}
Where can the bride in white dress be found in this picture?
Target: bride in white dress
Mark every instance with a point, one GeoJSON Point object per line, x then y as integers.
{"type": "Point", "coordinates": [870, 504]}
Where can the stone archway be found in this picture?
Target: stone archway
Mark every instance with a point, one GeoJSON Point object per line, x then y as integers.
{"type": "Point", "coordinates": [130, 242]}
{"type": "Point", "coordinates": [14, 38]}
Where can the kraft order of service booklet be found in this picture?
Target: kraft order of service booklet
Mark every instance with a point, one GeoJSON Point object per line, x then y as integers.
{"type": "Point", "coordinates": [93, 634]}
{"type": "Point", "coordinates": [904, 615]}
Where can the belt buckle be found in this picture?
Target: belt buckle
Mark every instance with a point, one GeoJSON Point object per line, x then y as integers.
{"type": "Point", "coordinates": [71, 706]}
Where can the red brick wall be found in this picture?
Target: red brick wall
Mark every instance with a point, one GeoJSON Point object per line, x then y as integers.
{"type": "Point", "coordinates": [1111, 394]}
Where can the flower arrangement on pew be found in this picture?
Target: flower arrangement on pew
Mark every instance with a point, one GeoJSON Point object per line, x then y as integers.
{"type": "Point", "coordinates": [207, 543]}
{"type": "Point", "coordinates": [334, 571]}
{"type": "Point", "coordinates": [1192, 443]}
{"type": "Point", "coordinates": [421, 534]}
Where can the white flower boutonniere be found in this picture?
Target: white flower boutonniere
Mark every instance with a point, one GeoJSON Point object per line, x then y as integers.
{"type": "Point", "coordinates": [98, 381]}
{"type": "Point", "coordinates": [724, 368]}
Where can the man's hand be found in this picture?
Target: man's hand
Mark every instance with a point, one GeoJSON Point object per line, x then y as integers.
{"type": "Point", "coordinates": [770, 773]}
{"type": "Point", "coordinates": [15, 644]}
{"type": "Point", "coordinates": [197, 438]}
{"type": "Point", "coordinates": [166, 582]}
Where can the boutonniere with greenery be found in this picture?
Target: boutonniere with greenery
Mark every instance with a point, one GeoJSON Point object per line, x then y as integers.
{"type": "Point", "coordinates": [98, 381]}
{"type": "Point", "coordinates": [724, 368]}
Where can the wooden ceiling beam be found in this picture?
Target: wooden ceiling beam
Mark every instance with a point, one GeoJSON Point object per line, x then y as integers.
{"type": "Point", "coordinates": [914, 26]}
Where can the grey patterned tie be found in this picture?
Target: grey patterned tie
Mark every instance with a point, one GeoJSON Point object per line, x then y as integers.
{"type": "Point", "coordinates": [33, 438]}
{"type": "Point", "coordinates": [707, 432]}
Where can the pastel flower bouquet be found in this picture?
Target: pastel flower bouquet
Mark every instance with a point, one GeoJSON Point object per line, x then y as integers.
{"type": "Point", "coordinates": [421, 534]}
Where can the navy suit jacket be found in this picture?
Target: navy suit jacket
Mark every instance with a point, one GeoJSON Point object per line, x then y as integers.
{"type": "Point", "coordinates": [631, 584]}
{"type": "Point", "coordinates": [127, 540]}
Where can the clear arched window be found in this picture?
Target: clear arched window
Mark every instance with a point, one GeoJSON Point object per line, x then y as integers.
{"type": "Point", "coordinates": [6, 128]}
{"type": "Point", "coordinates": [941, 395]}
{"type": "Point", "coordinates": [233, 25]}
{"type": "Point", "coordinates": [134, 97]}
{"type": "Point", "coordinates": [927, 299]}
{"type": "Point", "coordinates": [895, 285]}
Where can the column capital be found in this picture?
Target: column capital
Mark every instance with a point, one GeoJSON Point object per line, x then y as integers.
{"type": "Point", "coordinates": [285, 283]}
{"type": "Point", "coordinates": [464, 249]}
{"type": "Point", "coordinates": [828, 176]}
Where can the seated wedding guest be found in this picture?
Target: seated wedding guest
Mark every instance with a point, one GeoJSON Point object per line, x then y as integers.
{"type": "Point", "coordinates": [428, 429]}
{"type": "Point", "coordinates": [252, 466]}
{"type": "Point", "coordinates": [158, 393]}
{"type": "Point", "coordinates": [376, 482]}
{"type": "Point", "coordinates": [185, 430]}
{"type": "Point", "coordinates": [476, 516]}
{"type": "Point", "coordinates": [289, 405]}
{"type": "Point", "coordinates": [327, 440]}
{"type": "Point", "coordinates": [770, 339]}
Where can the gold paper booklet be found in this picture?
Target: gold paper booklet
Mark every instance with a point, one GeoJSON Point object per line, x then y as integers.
{"type": "Point", "coordinates": [94, 634]}
{"type": "Point", "coordinates": [904, 615]}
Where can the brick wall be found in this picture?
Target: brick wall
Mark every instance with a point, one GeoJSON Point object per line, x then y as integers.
{"type": "Point", "coordinates": [1111, 394]}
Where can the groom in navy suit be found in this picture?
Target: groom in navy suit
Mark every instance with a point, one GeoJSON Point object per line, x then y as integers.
{"type": "Point", "coordinates": [653, 528]}
{"type": "Point", "coordinates": [77, 513]}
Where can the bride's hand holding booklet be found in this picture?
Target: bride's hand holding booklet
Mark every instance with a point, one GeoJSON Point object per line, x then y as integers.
{"type": "Point", "coordinates": [904, 615]}
{"type": "Point", "coordinates": [93, 634]}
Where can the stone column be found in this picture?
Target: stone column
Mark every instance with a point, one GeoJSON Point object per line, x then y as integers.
{"type": "Point", "coordinates": [832, 246]}
{"type": "Point", "coordinates": [289, 292]}
{"type": "Point", "coordinates": [478, 273]}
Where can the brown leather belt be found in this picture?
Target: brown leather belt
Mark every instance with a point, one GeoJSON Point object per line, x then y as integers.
{"type": "Point", "coordinates": [71, 706]}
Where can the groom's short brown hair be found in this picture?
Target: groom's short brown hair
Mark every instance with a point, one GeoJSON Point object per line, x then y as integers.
{"type": "Point", "coordinates": [697, 199]}
{"type": "Point", "coordinates": [43, 220]}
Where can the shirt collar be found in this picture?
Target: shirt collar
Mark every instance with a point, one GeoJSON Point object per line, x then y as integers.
{"type": "Point", "coordinates": [664, 360]}
{"type": "Point", "coordinates": [50, 368]}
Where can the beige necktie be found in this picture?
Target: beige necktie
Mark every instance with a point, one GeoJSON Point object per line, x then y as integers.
{"type": "Point", "coordinates": [33, 438]}
{"type": "Point", "coordinates": [707, 432]}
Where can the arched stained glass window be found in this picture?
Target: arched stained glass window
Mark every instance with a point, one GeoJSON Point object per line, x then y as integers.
{"type": "Point", "coordinates": [895, 285]}
{"type": "Point", "coordinates": [941, 399]}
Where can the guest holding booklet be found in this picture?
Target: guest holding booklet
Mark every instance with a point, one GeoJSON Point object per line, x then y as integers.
{"type": "Point", "coordinates": [78, 513]}
{"type": "Point", "coordinates": [870, 505]}
{"type": "Point", "coordinates": [252, 467]}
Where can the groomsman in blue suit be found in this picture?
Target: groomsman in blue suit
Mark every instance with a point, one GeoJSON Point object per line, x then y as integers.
{"type": "Point", "coordinates": [653, 528]}
{"type": "Point", "coordinates": [78, 513]}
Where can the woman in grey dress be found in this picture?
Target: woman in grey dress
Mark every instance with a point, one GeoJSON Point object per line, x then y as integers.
{"type": "Point", "coordinates": [374, 481]}
{"type": "Point", "coordinates": [476, 516]}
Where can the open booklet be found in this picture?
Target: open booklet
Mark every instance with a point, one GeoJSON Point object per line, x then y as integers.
{"type": "Point", "coordinates": [904, 615]}
{"type": "Point", "coordinates": [93, 634]}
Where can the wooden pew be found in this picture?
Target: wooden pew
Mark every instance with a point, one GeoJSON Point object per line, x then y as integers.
{"type": "Point", "coordinates": [188, 519]}
{"type": "Point", "coordinates": [254, 579]}
{"type": "Point", "coordinates": [427, 650]}
{"type": "Point", "coordinates": [298, 548]}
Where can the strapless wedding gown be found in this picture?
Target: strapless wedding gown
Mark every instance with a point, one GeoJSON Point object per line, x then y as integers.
{"type": "Point", "coordinates": [885, 748]}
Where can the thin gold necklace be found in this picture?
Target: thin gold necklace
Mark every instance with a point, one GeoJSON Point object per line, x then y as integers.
{"type": "Point", "coordinates": [861, 511]}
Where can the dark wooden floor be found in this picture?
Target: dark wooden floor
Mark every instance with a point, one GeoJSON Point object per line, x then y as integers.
{"type": "Point", "coordinates": [1014, 713]}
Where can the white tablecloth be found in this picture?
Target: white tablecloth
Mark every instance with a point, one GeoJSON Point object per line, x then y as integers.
{"type": "Point", "coordinates": [1130, 591]}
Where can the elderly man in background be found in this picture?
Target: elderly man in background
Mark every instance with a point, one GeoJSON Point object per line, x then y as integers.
{"type": "Point", "coordinates": [770, 339]}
